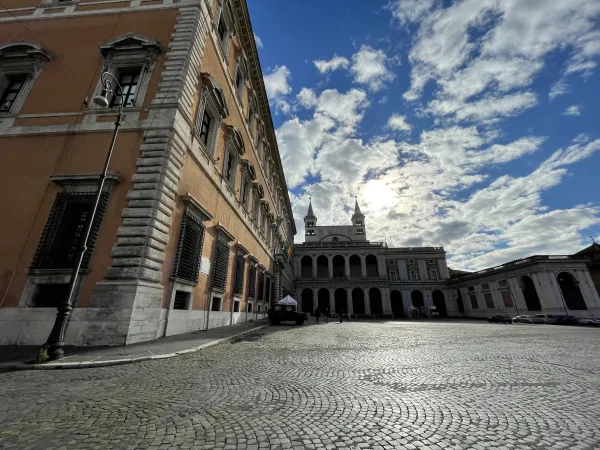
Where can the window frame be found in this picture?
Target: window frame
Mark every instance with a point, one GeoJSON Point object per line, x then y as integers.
{"type": "Point", "coordinates": [234, 150]}
{"type": "Point", "coordinates": [211, 102]}
{"type": "Point", "coordinates": [224, 16]}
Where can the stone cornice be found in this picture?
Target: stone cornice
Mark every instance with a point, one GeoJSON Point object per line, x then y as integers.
{"type": "Point", "coordinates": [246, 37]}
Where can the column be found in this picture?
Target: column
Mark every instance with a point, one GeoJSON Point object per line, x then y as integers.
{"type": "Point", "coordinates": [588, 290]}
{"type": "Point", "coordinates": [517, 295]}
{"type": "Point", "coordinates": [314, 264]}
{"type": "Point", "coordinates": [386, 302]}
{"type": "Point", "coordinates": [330, 265]}
{"type": "Point", "coordinates": [296, 267]}
{"type": "Point", "coordinates": [350, 305]}
{"type": "Point", "coordinates": [406, 299]}
{"type": "Point", "coordinates": [443, 268]}
{"type": "Point", "coordinates": [347, 266]}
{"type": "Point", "coordinates": [423, 275]}
{"type": "Point", "coordinates": [403, 270]}
{"type": "Point", "coordinates": [367, 301]}
{"type": "Point", "coordinates": [427, 298]}
{"type": "Point", "coordinates": [363, 266]}
{"type": "Point", "coordinates": [381, 267]}
{"type": "Point", "coordinates": [546, 302]}
{"type": "Point", "coordinates": [277, 283]}
{"type": "Point", "coordinates": [332, 300]}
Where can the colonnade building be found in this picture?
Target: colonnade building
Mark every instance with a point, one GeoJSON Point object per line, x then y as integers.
{"type": "Point", "coordinates": [339, 269]}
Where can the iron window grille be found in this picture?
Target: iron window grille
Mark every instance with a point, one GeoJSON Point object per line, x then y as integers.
{"type": "Point", "coordinates": [252, 282]}
{"type": "Point", "coordinates": [205, 128]}
{"type": "Point", "coordinates": [189, 249]}
{"type": "Point", "coordinates": [261, 287]}
{"type": "Point", "coordinates": [128, 79]}
{"type": "Point", "coordinates": [15, 84]}
{"type": "Point", "coordinates": [219, 276]}
{"type": "Point", "coordinates": [238, 286]}
{"type": "Point", "coordinates": [63, 233]}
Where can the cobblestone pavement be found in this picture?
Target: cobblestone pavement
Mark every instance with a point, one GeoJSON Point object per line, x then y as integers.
{"type": "Point", "coordinates": [335, 386]}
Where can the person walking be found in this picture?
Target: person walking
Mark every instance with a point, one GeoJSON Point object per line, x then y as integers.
{"type": "Point", "coordinates": [317, 314]}
{"type": "Point", "coordinates": [326, 315]}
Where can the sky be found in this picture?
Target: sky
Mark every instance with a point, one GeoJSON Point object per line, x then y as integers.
{"type": "Point", "coordinates": [472, 125]}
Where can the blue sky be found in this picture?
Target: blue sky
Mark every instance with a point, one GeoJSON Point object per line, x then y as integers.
{"type": "Point", "coordinates": [470, 124]}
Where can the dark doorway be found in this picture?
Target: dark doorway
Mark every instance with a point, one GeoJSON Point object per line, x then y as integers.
{"type": "Point", "coordinates": [375, 301]}
{"type": "Point", "coordinates": [530, 293]}
{"type": "Point", "coordinates": [571, 292]}
{"type": "Point", "coordinates": [459, 302]}
{"type": "Point", "coordinates": [440, 303]}
{"type": "Point", "coordinates": [339, 266]}
{"type": "Point", "coordinates": [341, 300]}
{"type": "Point", "coordinates": [355, 266]}
{"type": "Point", "coordinates": [307, 301]}
{"type": "Point", "coordinates": [324, 300]}
{"type": "Point", "coordinates": [397, 306]}
{"type": "Point", "coordinates": [322, 267]}
{"type": "Point", "coordinates": [372, 271]}
{"type": "Point", "coordinates": [306, 267]}
{"type": "Point", "coordinates": [358, 301]}
{"type": "Point", "coordinates": [417, 299]}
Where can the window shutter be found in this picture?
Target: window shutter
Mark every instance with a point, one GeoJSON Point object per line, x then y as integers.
{"type": "Point", "coordinates": [239, 275]}
{"type": "Point", "coordinates": [219, 276]}
{"type": "Point", "coordinates": [189, 248]}
{"type": "Point", "coordinates": [62, 236]}
{"type": "Point", "coordinates": [252, 282]}
{"type": "Point", "coordinates": [261, 282]}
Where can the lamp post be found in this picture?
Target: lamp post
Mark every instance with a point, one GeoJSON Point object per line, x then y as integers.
{"type": "Point", "coordinates": [562, 297]}
{"type": "Point", "coordinates": [55, 341]}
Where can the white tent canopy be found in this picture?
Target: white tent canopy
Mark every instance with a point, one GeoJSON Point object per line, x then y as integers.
{"type": "Point", "coordinates": [287, 301]}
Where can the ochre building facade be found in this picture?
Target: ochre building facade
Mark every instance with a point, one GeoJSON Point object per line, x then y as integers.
{"type": "Point", "coordinates": [195, 220]}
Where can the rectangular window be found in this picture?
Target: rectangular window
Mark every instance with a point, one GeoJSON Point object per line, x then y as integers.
{"type": "Point", "coordinates": [431, 261]}
{"type": "Point", "coordinates": [474, 304]}
{"type": "Point", "coordinates": [249, 307]}
{"type": "Point", "coordinates": [50, 295]}
{"type": "Point", "coordinates": [189, 248]}
{"type": "Point", "coordinates": [489, 301]}
{"type": "Point", "coordinates": [413, 275]}
{"type": "Point", "coordinates": [128, 79]}
{"type": "Point", "coordinates": [229, 169]}
{"type": "Point", "coordinates": [258, 308]}
{"type": "Point", "coordinates": [236, 306]}
{"type": "Point", "coordinates": [204, 128]}
{"type": "Point", "coordinates": [471, 289]}
{"type": "Point", "coordinates": [251, 120]}
{"type": "Point", "coordinates": [239, 275]}
{"type": "Point", "coordinates": [391, 263]}
{"type": "Point", "coordinates": [182, 300]}
{"type": "Point", "coordinates": [244, 192]}
{"type": "Point", "coordinates": [239, 81]}
{"type": "Point", "coordinates": [507, 299]}
{"type": "Point", "coordinates": [216, 304]}
{"type": "Point", "coordinates": [61, 239]}
{"type": "Point", "coordinates": [393, 275]}
{"type": "Point", "coordinates": [434, 275]}
{"type": "Point", "coordinates": [256, 208]}
{"type": "Point", "coordinates": [222, 31]}
{"type": "Point", "coordinates": [261, 286]}
{"type": "Point", "coordinates": [502, 283]}
{"type": "Point", "coordinates": [485, 287]}
{"type": "Point", "coordinates": [221, 263]}
{"type": "Point", "coordinates": [251, 282]}
{"type": "Point", "coordinates": [13, 87]}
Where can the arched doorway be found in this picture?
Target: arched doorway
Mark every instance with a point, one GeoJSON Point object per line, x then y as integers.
{"type": "Point", "coordinates": [324, 300]}
{"type": "Point", "coordinates": [417, 299]}
{"type": "Point", "coordinates": [459, 302]}
{"type": "Point", "coordinates": [341, 300]}
{"type": "Point", "coordinates": [375, 301]}
{"type": "Point", "coordinates": [322, 267]}
{"type": "Point", "coordinates": [339, 266]}
{"type": "Point", "coordinates": [440, 303]}
{"type": "Point", "coordinates": [358, 301]}
{"type": "Point", "coordinates": [571, 292]}
{"type": "Point", "coordinates": [530, 293]}
{"type": "Point", "coordinates": [355, 266]}
{"type": "Point", "coordinates": [306, 267]}
{"type": "Point", "coordinates": [397, 307]}
{"type": "Point", "coordinates": [371, 261]}
{"type": "Point", "coordinates": [307, 301]}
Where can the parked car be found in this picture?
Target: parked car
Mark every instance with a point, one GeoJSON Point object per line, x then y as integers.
{"type": "Point", "coordinates": [542, 318]}
{"type": "Point", "coordinates": [523, 319]}
{"type": "Point", "coordinates": [588, 321]}
{"type": "Point", "coordinates": [567, 320]}
{"type": "Point", "coordinates": [500, 318]}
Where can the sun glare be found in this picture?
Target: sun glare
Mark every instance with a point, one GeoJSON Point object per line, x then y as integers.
{"type": "Point", "coordinates": [378, 194]}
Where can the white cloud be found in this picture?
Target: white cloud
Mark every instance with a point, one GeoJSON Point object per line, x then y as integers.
{"type": "Point", "coordinates": [369, 67]}
{"type": "Point", "coordinates": [277, 86]}
{"type": "Point", "coordinates": [559, 88]}
{"type": "Point", "coordinates": [406, 11]}
{"type": "Point", "coordinates": [573, 110]}
{"type": "Point", "coordinates": [514, 38]}
{"type": "Point", "coordinates": [398, 123]}
{"type": "Point", "coordinates": [337, 62]}
{"type": "Point", "coordinates": [258, 41]}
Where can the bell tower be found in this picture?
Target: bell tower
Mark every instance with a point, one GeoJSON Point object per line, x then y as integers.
{"type": "Point", "coordinates": [310, 221]}
{"type": "Point", "coordinates": [358, 220]}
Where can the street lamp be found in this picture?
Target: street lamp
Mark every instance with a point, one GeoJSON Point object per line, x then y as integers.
{"type": "Point", "coordinates": [55, 341]}
{"type": "Point", "coordinates": [562, 297]}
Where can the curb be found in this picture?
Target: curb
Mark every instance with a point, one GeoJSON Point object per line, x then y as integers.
{"type": "Point", "coordinates": [117, 362]}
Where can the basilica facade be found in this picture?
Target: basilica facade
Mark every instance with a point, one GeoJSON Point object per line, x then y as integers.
{"type": "Point", "coordinates": [339, 269]}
